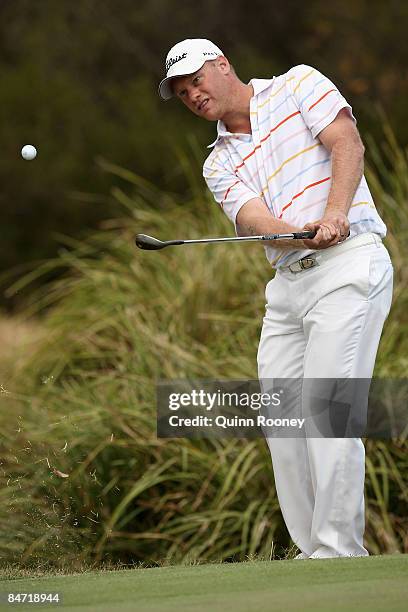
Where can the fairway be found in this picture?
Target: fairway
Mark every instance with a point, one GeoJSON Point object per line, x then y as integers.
{"type": "Point", "coordinates": [374, 583]}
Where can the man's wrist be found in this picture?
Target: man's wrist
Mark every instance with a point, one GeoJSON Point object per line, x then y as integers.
{"type": "Point", "coordinates": [336, 209]}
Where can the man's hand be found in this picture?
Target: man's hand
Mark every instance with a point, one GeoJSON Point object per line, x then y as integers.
{"type": "Point", "coordinates": [331, 229]}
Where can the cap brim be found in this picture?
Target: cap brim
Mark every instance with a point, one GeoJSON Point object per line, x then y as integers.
{"type": "Point", "coordinates": [165, 88]}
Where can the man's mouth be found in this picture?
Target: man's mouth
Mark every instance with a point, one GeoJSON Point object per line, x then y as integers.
{"type": "Point", "coordinates": [203, 104]}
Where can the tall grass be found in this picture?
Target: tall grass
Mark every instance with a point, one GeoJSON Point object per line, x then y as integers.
{"type": "Point", "coordinates": [84, 478]}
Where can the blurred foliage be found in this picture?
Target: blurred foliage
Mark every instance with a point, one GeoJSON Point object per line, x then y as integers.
{"type": "Point", "coordinates": [79, 80]}
{"type": "Point", "coordinates": [83, 476]}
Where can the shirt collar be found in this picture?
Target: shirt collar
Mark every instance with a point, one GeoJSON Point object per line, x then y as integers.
{"type": "Point", "coordinates": [259, 85]}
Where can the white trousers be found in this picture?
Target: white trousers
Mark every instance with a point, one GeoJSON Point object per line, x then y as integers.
{"type": "Point", "coordinates": [325, 322]}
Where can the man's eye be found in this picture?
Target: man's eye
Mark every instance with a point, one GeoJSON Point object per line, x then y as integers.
{"type": "Point", "coordinates": [196, 80]}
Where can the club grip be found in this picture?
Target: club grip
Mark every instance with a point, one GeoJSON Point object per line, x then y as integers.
{"type": "Point", "coordinates": [308, 235]}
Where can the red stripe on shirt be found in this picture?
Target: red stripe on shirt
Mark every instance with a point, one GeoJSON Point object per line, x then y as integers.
{"type": "Point", "coordinates": [301, 193]}
{"type": "Point", "coordinates": [265, 138]}
{"type": "Point", "coordinates": [227, 192]}
{"type": "Point", "coordinates": [320, 99]}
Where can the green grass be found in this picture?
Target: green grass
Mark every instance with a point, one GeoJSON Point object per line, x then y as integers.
{"type": "Point", "coordinates": [372, 584]}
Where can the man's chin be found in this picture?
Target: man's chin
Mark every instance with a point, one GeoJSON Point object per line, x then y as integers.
{"type": "Point", "coordinates": [209, 112]}
{"type": "Point", "coordinates": [210, 115]}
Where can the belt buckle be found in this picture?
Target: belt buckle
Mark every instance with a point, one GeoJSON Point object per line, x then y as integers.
{"type": "Point", "coordinates": [307, 262]}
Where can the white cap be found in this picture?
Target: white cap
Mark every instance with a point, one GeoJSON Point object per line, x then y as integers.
{"type": "Point", "coordinates": [185, 58]}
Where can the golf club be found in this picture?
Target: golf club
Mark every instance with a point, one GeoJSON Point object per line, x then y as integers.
{"type": "Point", "coordinates": [153, 244]}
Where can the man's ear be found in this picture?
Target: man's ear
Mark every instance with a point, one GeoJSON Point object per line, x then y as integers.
{"type": "Point", "coordinates": [223, 64]}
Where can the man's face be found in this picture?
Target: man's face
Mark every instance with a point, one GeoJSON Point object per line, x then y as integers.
{"type": "Point", "coordinates": [204, 92]}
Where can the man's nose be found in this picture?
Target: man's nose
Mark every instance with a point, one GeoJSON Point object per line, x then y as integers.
{"type": "Point", "coordinates": [194, 94]}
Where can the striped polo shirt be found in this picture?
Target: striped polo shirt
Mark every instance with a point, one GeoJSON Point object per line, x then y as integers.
{"type": "Point", "coordinates": [282, 161]}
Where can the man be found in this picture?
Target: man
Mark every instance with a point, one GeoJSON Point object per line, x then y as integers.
{"type": "Point", "coordinates": [288, 157]}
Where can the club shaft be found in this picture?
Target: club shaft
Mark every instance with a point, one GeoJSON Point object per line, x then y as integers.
{"type": "Point", "coordinates": [289, 236]}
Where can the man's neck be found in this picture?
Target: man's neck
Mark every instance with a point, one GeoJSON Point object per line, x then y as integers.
{"type": "Point", "coordinates": [237, 120]}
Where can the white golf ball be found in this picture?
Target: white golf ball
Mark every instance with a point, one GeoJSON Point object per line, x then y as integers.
{"type": "Point", "coordinates": [28, 152]}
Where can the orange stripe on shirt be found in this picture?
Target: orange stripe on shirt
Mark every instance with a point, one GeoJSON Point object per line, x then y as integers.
{"type": "Point", "coordinates": [320, 99]}
{"type": "Point", "coordinates": [302, 192]}
{"type": "Point", "coordinates": [265, 138]}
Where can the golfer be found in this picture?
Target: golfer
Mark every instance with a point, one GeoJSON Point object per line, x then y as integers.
{"type": "Point", "coordinates": [288, 157]}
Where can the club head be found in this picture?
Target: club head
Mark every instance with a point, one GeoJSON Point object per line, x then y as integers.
{"type": "Point", "coordinates": [149, 243]}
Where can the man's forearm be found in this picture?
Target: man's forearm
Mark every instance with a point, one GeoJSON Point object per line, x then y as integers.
{"type": "Point", "coordinates": [258, 226]}
{"type": "Point", "coordinates": [347, 159]}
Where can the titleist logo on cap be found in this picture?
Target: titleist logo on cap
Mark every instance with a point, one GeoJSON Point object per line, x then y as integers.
{"type": "Point", "coordinates": [174, 60]}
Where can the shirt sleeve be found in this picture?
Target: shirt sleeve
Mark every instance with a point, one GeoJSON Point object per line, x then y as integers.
{"type": "Point", "coordinates": [228, 190]}
{"type": "Point", "coordinates": [317, 98]}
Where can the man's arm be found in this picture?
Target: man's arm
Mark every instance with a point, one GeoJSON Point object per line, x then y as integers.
{"type": "Point", "coordinates": [342, 140]}
{"type": "Point", "coordinates": [254, 219]}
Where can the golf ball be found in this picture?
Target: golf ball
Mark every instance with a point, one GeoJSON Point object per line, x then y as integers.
{"type": "Point", "coordinates": [28, 152]}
